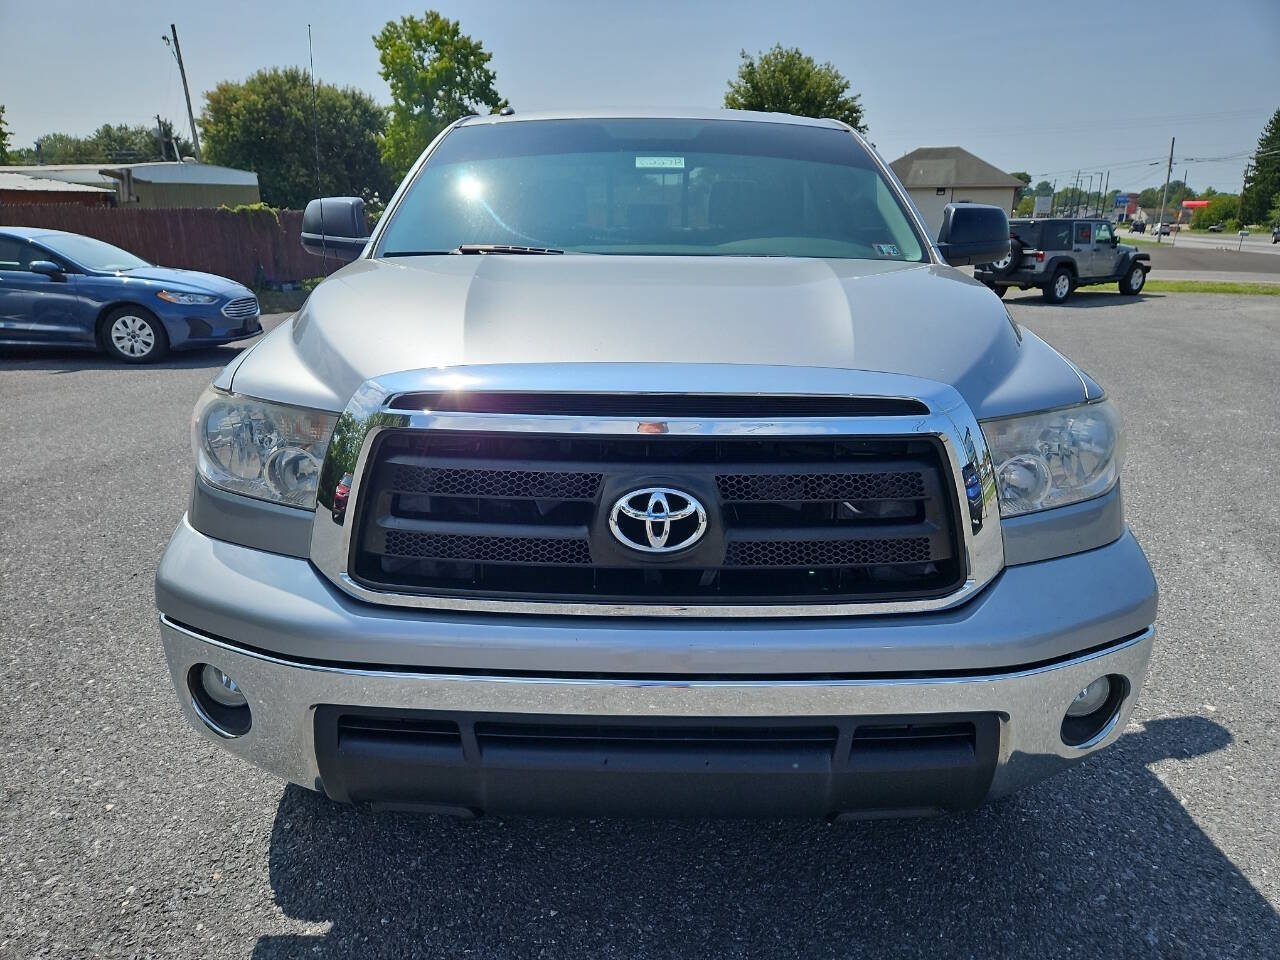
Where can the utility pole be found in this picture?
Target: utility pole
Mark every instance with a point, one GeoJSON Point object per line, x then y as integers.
{"type": "Point", "coordinates": [1106, 191]}
{"type": "Point", "coordinates": [1075, 194]}
{"type": "Point", "coordinates": [191, 117]}
{"type": "Point", "coordinates": [1164, 197]}
{"type": "Point", "coordinates": [160, 137]}
{"type": "Point", "coordinates": [1239, 207]}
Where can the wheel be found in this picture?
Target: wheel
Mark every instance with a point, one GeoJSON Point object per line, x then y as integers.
{"type": "Point", "coordinates": [1059, 286]}
{"type": "Point", "coordinates": [1006, 265]}
{"type": "Point", "coordinates": [1131, 283]}
{"type": "Point", "coordinates": [998, 289]}
{"type": "Point", "coordinates": [134, 335]}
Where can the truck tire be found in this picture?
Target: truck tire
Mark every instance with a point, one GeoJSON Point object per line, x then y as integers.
{"type": "Point", "coordinates": [1059, 286]}
{"type": "Point", "coordinates": [1134, 279]}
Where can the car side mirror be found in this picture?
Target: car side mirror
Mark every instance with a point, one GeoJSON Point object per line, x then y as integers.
{"type": "Point", "coordinates": [335, 227]}
{"type": "Point", "coordinates": [46, 267]}
{"type": "Point", "coordinates": [1114, 240]}
{"type": "Point", "coordinates": [973, 233]}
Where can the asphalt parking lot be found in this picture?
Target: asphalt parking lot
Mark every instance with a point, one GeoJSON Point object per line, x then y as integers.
{"type": "Point", "coordinates": [123, 833]}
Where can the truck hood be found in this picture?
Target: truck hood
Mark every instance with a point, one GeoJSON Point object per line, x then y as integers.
{"type": "Point", "coordinates": [376, 317]}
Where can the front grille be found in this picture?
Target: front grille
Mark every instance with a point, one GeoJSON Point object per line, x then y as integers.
{"type": "Point", "coordinates": [525, 516]}
{"type": "Point", "coordinates": [241, 309]}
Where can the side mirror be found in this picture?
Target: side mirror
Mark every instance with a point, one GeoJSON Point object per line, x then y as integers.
{"type": "Point", "coordinates": [46, 267]}
{"type": "Point", "coordinates": [1114, 240]}
{"type": "Point", "coordinates": [973, 233]}
{"type": "Point", "coordinates": [335, 227]}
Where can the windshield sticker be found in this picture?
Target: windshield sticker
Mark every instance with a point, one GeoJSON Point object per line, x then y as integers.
{"type": "Point", "coordinates": [886, 249]}
{"type": "Point", "coordinates": [659, 163]}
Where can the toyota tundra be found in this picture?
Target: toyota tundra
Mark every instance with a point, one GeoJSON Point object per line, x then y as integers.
{"type": "Point", "coordinates": [655, 464]}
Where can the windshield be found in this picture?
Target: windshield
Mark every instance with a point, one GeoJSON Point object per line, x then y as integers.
{"type": "Point", "coordinates": [640, 186]}
{"type": "Point", "coordinates": [91, 254]}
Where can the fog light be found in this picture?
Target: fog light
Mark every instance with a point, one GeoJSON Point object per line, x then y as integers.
{"type": "Point", "coordinates": [220, 687]}
{"type": "Point", "coordinates": [1090, 698]}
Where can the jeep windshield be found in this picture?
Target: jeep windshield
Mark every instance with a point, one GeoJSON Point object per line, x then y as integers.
{"type": "Point", "coordinates": [659, 187]}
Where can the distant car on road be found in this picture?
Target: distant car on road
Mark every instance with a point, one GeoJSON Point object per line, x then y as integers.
{"type": "Point", "coordinates": [1162, 229]}
{"type": "Point", "coordinates": [1218, 228]}
{"type": "Point", "coordinates": [69, 290]}
{"type": "Point", "coordinates": [1275, 234]}
{"type": "Point", "coordinates": [1138, 226]}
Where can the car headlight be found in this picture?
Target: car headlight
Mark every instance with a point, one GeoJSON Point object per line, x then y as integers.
{"type": "Point", "coordinates": [258, 449]}
{"type": "Point", "coordinates": [1055, 458]}
{"type": "Point", "coordinates": [186, 298]}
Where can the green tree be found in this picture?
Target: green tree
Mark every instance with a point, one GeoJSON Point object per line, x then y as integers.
{"type": "Point", "coordinates": [266, 124]}
{"type": "Point", "coordinates": [1026, 206]}
{"type": "Point", "coordinates": [437, 74]}
{"type": "Point", "coordinates": [785, 80]}
{"type": "Point", "coordinates": [1044, 189]}
{"type": "Point", "coordinates": [110, 143]}
{"type": "Point", "coordinates": [1263, 182]}
{"type": "Point", "coordinates": [1026, 182]}
{"type": "Point", "coordinates": [1178, 191]}
{"type": "Point", "coordinates": [4, 137]}
{"type": "Point", "coordinates": [1222, 207]}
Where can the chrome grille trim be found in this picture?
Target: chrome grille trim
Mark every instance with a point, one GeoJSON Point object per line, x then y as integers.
{"type": "Point", "coordinates": [950, 421]}
{"type": "Point", "coordinates": [241, 308]}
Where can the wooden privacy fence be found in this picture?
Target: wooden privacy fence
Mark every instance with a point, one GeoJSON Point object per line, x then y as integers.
{"type": "Point", "coordinates": [249, 246]}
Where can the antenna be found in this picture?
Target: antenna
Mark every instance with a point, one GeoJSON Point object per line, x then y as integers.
{"type": "Point", "coordinates": [315, 128]}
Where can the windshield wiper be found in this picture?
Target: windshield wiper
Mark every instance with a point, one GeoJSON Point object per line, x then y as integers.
{"type": "Point", "coordinates": [501, 248]}
{"type": "Point", "coordinates": [416, 253]}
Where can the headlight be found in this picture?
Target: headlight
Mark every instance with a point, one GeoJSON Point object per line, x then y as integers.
{"type": "Point", "coordinates": [186, 298]}
{"type": "Point", "coordinates": [1051, 459]}
{"type": "Point", "coordinates": [265, 450]}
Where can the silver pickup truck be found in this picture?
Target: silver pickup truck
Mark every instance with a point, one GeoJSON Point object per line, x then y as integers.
{"type": "Point", "coordinates": [656, 464]}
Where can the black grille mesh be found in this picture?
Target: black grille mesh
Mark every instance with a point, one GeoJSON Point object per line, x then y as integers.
{"type": "Point", "coordinates": [441, 546]}
{"type": "Point", "coordinates": [826, 553]}
{"type": "Point", "coordinates": [527, 484]}
{"type": "Point", "coordinates": [746, 487]}
{"type": "Point", "coordinates": [516, 516]}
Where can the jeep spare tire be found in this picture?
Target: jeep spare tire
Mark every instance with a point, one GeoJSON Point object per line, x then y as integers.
{"type": "Point", "coordinates": [1006, 265]}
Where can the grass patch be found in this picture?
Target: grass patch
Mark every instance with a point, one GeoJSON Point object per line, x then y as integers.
{"type": "Point", "coordinates": [286, 301]}
{"type": "Point", "coordinates": [1212, 286]}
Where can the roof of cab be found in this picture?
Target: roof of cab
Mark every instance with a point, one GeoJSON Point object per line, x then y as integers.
{"type": "Point", "coordinates": [655, 113]}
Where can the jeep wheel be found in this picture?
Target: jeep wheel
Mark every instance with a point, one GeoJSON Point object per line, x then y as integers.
{"type": "Point", "coordinates": [999, 289]}
{"type": "Point", "coordinates": [1131, 283]}
{"type": "Point", "coordinates": [1059, 286]}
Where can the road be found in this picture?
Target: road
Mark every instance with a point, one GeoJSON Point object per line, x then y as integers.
{"type": "Point", "coordinates": [125, 834]}
{"type": "Point", "coordinates": [1200, 257]}
{"type": "Point", "coordinates": [1256, 242]}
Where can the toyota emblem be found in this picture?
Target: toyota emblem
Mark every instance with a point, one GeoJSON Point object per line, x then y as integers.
{"type": "Point", "coordinates": [658, 520]}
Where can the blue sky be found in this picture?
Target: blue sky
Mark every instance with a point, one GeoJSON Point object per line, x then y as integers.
{"type": "Point", "coordinates": [1056, 87]}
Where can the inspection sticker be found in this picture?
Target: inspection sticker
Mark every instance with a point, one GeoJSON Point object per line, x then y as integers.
{"type": "Point", "coordinates": [659, 163]}
{"type": "Point", "coordinates": [886, 249]}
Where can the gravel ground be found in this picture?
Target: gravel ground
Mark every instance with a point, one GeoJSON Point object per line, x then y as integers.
{"type": "Point", "coordinates": [123, 833]}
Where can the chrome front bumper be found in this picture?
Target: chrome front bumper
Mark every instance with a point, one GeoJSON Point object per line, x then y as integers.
{"type": "Point", "coordinates": [284, 694]}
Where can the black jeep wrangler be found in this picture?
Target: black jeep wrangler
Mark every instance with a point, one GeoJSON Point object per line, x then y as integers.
{"type": "Point", "coordinates": [1057, 255]}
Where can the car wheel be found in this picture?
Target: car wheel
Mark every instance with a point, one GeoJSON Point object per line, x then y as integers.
{"type": "Point", "coordinates": [1131, 283]}
{"type": "Point", "coordinates": [1059, 286]}
{"type": "Point", "coordinates": [134, 335]}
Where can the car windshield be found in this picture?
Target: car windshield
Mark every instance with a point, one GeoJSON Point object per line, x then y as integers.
{"type": "Point", "coordinates": [642, 186]}
{"type": "Point", "coordinates": [90, 253]}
